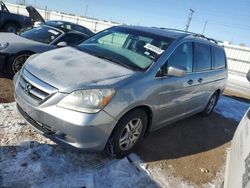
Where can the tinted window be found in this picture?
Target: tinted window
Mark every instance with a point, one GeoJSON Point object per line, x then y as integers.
{"type": "Point", "coordinates": [182, 56]}
{"type": "Point", "coordinates": [71, 39]}
{"type": "Point", "coordinates": [42, 34]}
{"type": "Point", "coordinates": [83, 30]}
{"type": "Point", "coordinates": [219, 58]}
{"type": "Point", "coordinates": [203, 58]}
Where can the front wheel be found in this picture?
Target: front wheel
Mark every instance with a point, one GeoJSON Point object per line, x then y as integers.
{"type": "Point", "coordinates": [11, 28]}
{"type": "Point", "coordinates": [128, 133]}
{"type": "Point", "coordinates": [16, 62]}
{"type": "Point", "coordinates": [211, 104]}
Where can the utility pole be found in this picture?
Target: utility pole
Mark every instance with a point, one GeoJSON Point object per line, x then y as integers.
{"type": "Point", "coordinates": [86, 10]}
{"type": "Point", "coordinates": [189, 19]}
{"type": "Point", "coordinates": [204, 28]}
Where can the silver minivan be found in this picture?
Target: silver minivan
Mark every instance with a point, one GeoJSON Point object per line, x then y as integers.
{"type": "Point", "coordinates": [115, 88]}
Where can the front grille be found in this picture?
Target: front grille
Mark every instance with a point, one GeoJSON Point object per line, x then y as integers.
{"type": "Point", "coordinates": [35, 88]}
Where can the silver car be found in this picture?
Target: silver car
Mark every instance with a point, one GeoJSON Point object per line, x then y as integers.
{"type": "Point", "coordinates": [116, 87]}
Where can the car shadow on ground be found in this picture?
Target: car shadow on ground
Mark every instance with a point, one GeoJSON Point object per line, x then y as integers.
{"type": "Point", "coordinates": [186, 137]}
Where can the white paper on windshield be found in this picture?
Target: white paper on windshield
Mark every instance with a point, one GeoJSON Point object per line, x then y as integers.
{"type": "Point", "coordinates": [53, 32]}
{"type": "Point", "coordinates": [153, 48]}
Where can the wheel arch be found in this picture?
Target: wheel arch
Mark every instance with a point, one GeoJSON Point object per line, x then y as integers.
{"type": "Point", "coordinates": [148, 112]}
{"type": "Point", "coordinates": [12, 22]}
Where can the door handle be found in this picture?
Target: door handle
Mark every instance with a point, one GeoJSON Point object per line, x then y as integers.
{"type": "Point", "coordinates": [190, 82]}
{"type": "Point", "coordinates": [200, 80]}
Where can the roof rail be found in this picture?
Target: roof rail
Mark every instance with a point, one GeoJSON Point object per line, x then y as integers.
{"type": "Point", "coordinates": [191, 33]}
{"type": "Point", "coordinates": [209, 39]}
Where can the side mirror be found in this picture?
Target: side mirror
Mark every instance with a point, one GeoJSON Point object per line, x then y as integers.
{"type": "Point", "coordinates": [62, 44]}
{"type": "Point", "coordinates": [248, 75]}
{"type": "Point", "coordinates": [177, 71]}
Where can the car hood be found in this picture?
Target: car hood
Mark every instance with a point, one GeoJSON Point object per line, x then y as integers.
{"type": "Point", "coordinates": [69, 69]}
{"type": "Point", "coordinates": [18, 43]}
{"type": "Point", "coordinates": [34, 14]}
{"type": "Point", "coordinates": [12, 38]}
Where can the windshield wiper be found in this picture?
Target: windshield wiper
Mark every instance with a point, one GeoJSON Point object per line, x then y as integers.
{"type": "Point", "coordinates": [116, 61]}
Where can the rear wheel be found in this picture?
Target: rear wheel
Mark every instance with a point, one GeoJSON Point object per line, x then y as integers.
{"type": "Point", "coordinates": [16, 62]}
{"type": "Point", "coordinates": [11, 28]}
{"type": "Point", "coordinates": [128, 133]}
{"type": "Point", "coordinates": [211, 104]}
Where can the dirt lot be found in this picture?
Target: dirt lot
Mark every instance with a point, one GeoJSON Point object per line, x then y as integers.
{"type": "Point", "coordinates": [6, 90]}
{"type": "Point", "coordinates": [193, 149]}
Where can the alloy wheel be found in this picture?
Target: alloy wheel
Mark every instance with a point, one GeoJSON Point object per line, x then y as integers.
{"type": "Point", "coordinates": [130, 134]}
{"type": "Point", "coordinates": [18, 62]}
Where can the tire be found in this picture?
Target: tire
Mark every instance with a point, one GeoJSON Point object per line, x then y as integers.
{"type": "Point", "coordinates": [11, 28]}
{"type": "Point", "coordinates": [16, 62]}
{"type": "Point", "coordinates": [128, 133]}
{"type": "Point", "coordinates": [211, 104]}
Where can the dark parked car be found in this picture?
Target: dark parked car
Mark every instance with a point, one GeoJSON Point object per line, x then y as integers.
{"type": "Point", "coordinates": [10, 22]}
{"type": "Point", "coordinates": [15, 49]}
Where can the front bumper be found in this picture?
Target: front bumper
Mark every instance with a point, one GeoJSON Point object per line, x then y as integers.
{"type": "Point", "coordinates": [89, 132]}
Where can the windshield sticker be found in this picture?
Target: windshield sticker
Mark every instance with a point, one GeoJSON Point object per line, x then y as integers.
{"type": "Point", "coordinates": [153, 48]}
{"type": "Point", "coordinates": [53, 32]}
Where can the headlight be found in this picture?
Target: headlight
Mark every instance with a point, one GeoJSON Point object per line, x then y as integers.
{"type": "Point", "coordinates": [89, 101]}
{"type": "Point", "coordinates": [3, 45]}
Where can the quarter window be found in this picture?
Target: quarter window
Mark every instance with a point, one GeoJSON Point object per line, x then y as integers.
{"type": "Point", "coordinates": [182, 57]}
{"type": "Point", "coordinates": [203, 58]}
{"type": "Point", "coordinates": [219, 58]}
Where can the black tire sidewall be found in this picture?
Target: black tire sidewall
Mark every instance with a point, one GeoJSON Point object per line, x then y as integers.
{"type": "Point", "coordinates": [11, 60]}
{"type": "Point", "coordinates": [205, 113]}
{"type": "Point", "coordinates": [7, 26]}
{"type": "Point", "coordinates": [114, 140]}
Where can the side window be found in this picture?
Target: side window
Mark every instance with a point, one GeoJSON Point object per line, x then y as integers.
{"type": "Point", "coordinates": [71, 39]}
{"type": "Point", "coordinates": [219, 58]}
{"type": "Point", "coordinates": [203, 57]}
{"type": "Point", "coordinates": [182, 56]}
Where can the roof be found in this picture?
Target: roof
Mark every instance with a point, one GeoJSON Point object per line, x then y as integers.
{"type": "Point", "coordinates": [62, 25]}
{"type": "Point", "coordinates": [158, 31]}
{"type": "Point", "coordinates": [171, 33]}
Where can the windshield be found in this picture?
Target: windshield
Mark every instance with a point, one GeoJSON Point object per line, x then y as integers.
{"type": "Point", "coordinates": [42, 34]}
{"type": "Point", "coordinates": [129, 47]}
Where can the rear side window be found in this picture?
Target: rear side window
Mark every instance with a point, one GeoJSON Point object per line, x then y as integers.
{"type": "Point", "coordinates": [219, 58]}
{"type": "Point", "coordinates": [203, 57]}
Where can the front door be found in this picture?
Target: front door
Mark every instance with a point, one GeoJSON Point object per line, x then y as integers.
{"type": "Point", "coordinates": [177, 92]}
